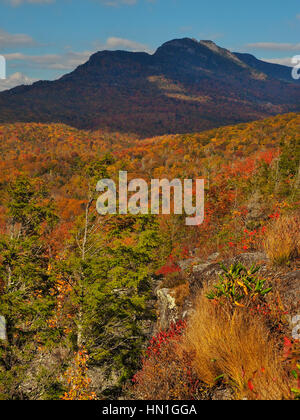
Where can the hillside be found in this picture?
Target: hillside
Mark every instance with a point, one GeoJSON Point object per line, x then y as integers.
{"type": "Point", "coordinates": [185, 86]}
{"type": "Point", "coordinates": [83, 294]}
{"type": "Point", "coordinates": [58, 153]}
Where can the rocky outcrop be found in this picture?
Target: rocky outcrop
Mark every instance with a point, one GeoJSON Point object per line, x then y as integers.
{"type": "Point", "coordinates": [167, 308]}
{"type": "Point", "coordinates": [46, 366]}
{"type": "Point", "coordinates": [2, 328]}
{"type": "Point", "coordinates": [201, 273]}
{"type": "Point", "coordinates": [208, 272]}
{"type": "Point", "coordinates": [286, 283]}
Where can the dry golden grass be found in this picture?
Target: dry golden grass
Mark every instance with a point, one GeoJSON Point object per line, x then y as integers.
{"type": "Point", "coordinates": [237, 345]}
{"type": "Point", "coordinates": [180, 293]}
{"type": "Point", "coordinates": [282, 241]}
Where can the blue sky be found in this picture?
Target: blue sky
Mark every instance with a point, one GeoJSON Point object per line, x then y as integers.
{"type": "Point", "coordinates": [43, 39]}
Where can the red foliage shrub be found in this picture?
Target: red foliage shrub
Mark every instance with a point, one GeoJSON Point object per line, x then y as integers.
{"type": "Point", "coordinates": [167, 372]}
{"type": "Point", "coordinates": [169, 268]}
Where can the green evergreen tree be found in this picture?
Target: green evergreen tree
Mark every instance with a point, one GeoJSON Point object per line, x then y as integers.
{"type": "Point", "coordinates": [108, 264]}
{"type": "Point", "coordinates": [25, 301]}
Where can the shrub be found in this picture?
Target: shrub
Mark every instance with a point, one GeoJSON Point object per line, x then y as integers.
{"type": "Point", "coordinates": [282, 241]}
{"type": "Point", "coordinates": [78, 380]}
{"type": "Point", "coordinates": [167, 372]}
{"type": "Point", "coordinates": [172, 280]}
{"type": "Point", "coordinates": [237, 346]}
{"type": "Point", "coordinates": [239, 285]}
{"type": "Point", "coordinates": [181, 293]}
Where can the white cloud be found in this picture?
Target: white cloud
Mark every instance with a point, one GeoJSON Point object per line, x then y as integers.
{"type": "Point", "coordinates": [10, 40]}
{"type": "Point", "coordinates": [287, 61]}
{"type": "Point", "coordinates": [66, 61]}
{"type": "Point", "coordinates": [70, 59]}
{"type": "Point", "coordinates": [14, 80]}
{"type": "Point", "coordinates": [112, 3]}
{"type": "Point", "coordinates": [16, 3]}
{"type": "Point", "coordinates": [275, 46]}
{"type": "Point", "coordinates": [122, 43]}
{"type": "Point", "coordinates": [115, 3]}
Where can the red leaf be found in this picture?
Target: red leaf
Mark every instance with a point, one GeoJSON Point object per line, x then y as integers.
{"type": "Point", "coordinates": [250, 386]}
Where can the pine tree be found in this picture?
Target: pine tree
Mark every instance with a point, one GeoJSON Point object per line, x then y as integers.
{"type": "Point", "coordinates": [25, 301]}
{"type": "Point", "coordinates": [107, 265]}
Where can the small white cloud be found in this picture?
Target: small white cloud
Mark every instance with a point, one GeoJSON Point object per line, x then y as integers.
{"type": "Point", "coordinates": [274, 46]}
{"type": "Point", "coordinates": [114, 3]}
{"type": "Point", "coordinates": [70, 59]}
{"type": "Point", "coordinates": [111, 3]}
{"type": "Point", "coordinates": [16, 3]}
{"type": "Point", "coordinates": [66, 61]}
{"type": "Point", "coordinates": [9, 40]}
{"type": "Point", "coordinates": [287, 61]}
{"type": "Point", "coordinates": [14, 80]}
{"type": "Point", "coordinates": [121, 43]}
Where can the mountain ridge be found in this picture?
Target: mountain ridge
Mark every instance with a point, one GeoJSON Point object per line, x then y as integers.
{"type": "Point", "coordinates": [185, 86]}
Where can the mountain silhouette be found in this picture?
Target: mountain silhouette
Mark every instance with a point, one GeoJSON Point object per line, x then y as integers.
{"type": "Point", "coordinates": [185, 86]}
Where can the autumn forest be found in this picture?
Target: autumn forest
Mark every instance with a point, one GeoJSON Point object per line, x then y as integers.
{"type": "Point", "coordinates": [78, 289]}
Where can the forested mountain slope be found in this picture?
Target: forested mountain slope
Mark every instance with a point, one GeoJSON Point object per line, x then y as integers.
{"type": "Point", "coordinates": [77, 289]}
{"type": "Point", "coordinates": [185, 86]}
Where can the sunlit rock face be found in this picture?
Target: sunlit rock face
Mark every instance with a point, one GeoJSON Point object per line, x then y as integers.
{"type": "Point", "coordinates": [2, 328]}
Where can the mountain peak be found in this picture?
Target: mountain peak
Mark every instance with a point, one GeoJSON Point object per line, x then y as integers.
{"type": "Point", "coordinates": [208, 43]}
{"type": "Point", "coordinates": [180, 42]}
{"type": "Point", "coordinates": [205, 54]}
{"type": "Point", "coordinates": [175, 45]}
